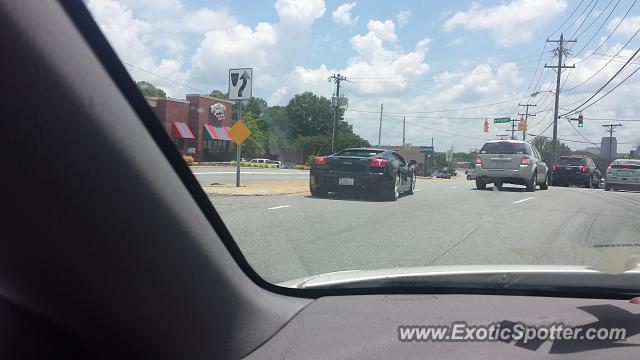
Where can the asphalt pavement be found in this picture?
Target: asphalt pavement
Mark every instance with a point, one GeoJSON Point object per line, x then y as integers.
{"type": "Point", "coordinates": [208, 175]}
{"type": "Point", "coordinates": [443, 223]}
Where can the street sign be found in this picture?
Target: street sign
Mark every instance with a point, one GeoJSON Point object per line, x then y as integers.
{"type": "Point", "coordinates": [426, 150]}
{"type": "Point", "coordinates": [501, 120]}
{"type": "Point", "coordinates": [240, 83]}
{"type": "Point", "coordinates": [239, 132]}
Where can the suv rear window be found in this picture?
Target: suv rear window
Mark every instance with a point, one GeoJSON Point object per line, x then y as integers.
{"type": "Point", "coordinates": [503, 148]}
{"type": "Point", "coordinates": [570, 161]}
{"type": "Point", "coordinates": [358, 152]}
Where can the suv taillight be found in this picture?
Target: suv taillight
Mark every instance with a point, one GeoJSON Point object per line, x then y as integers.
{"type": "Point", "coordinates": [478, 161]}
{"type": "Point", "coordinates": [320, 160]}
{"type": "Point", "coordinates": [379, 162]}
{"type": "Point", "coordinates": [524, 160]}
{"type": "Point", "coordinates": [608, 170]}
{"type": "Point", "coordinates": [553, 167]}
{"type": "Point", "coordinates": [583, 168]}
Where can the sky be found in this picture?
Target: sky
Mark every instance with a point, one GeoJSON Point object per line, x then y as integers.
{"type": "Point", "coordinates": [444, 65]}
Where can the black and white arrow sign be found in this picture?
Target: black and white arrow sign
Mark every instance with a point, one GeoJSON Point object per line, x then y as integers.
{"type": "Point", "coordinates": [240, 83]}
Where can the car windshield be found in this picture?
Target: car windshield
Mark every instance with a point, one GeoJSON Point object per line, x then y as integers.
{"type": "Point", "coordinates": [358, 153]}
{"type": "Point", "coordinates": [348, 137]}
{"type": "Point", "coordinates": [503, 148]}
{"type": "Point", "coordinates": [570, 161]}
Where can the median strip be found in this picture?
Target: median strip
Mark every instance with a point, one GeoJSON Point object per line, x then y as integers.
{"type": "Point", "coordinates": [523, 200]}
{"type": "Point", "coordinates": [278, 207]}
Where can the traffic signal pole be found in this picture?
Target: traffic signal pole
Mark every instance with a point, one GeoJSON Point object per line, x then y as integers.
{"type": "Point", "coordinates": [526, 119]}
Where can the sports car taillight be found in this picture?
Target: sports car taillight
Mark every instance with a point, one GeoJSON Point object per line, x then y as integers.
{"type": "Point", "coordinates": [524, 160]}
{"type": "Point", "coordinates": [320, 160]}
{"type": "Point", "coordinates": [379, 162]}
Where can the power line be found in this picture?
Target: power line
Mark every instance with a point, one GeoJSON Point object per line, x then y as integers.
{"type": "Point", "coordinates": [605, 65]}
{"type": "Point", "coordinates": [601, 26]}
{"type": "Point", "coordinates": [163, 77]}
{"type": "Point", "coordinates": [456, 109]}
{"type": "Point", "coordinates": [607, 83]}
{"type": "Point", "coordinates": [579, 133]}
{"type": "Point", "coordinates": [567, 19]}
{"type": "Point", "coordinates": [615, 87]}
{"type": "Point", "coordinates": [455, 70]}
{"type": "Point", "coordinates": [610, 34]}
{"type": "Point", "coordinates": [584, 19]}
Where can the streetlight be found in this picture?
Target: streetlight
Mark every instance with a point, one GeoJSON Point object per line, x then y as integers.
{"type": "Point", "coordinates": [542, 91]}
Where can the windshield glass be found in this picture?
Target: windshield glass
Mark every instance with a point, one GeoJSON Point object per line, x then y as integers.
{"type": "Point", "coordinates": [503, 148]}
{"type": "Point", "coordinates": [570, 161]}
{"type": "Point", "coordinates": [358, 153]}
{"type": "Point", "coordinates": [443, 117]}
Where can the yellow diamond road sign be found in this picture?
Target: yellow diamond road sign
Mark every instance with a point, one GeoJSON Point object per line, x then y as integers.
{"type": "Point", "coordinates": [239, 132]}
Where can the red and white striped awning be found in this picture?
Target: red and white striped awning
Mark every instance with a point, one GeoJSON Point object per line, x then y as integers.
{"type": "Point", "coordinates": [216, 133]}
{"type": "Point", "coordinates": [181, 130]}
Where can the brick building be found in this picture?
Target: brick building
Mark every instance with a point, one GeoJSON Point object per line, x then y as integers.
{"type": "Point", "coordinates": [198, 125]}
{"type": "Point", "coordinates": [410, 152]}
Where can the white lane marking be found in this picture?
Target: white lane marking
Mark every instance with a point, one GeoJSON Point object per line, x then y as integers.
{"type": "Point", "coordinates": [278, 207]}
{"type": "Point", "coordinates": [453, 187]}
{"type": "Point", "coordinates": [523, 200]}
{"type": "Point", "coordinates": [416, 190]}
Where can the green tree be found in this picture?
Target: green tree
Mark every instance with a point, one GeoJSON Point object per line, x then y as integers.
{"type": "Point", "coordinates": [148, 89]}
{"type": "Point", "coordinates": [312, 145]}
{"type": "Point", "coordinates": [256, 144]}
{"type": "Point", "coordinates": [281, 138]}
{"type": "Point", "coordinates": [348, 140]}
{"type": "Point", "coordinates": [545, 146]}
{"type": "Point", "coordinates": [219, 94]}
{"type": "Point", "coordinates": [310, 115]}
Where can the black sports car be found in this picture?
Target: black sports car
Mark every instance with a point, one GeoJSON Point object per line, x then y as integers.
{"type": "Point", "coordinates": [383, 171]}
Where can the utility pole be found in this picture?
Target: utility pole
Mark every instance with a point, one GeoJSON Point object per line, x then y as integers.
{"type": "Point", "coordinates": [380, 128]}
{"type": "Point", "coordinates": [337, 78]}
{"type": "Point", "coordinates": [560, 50]}
{"type": "Point", "coordinates": [404, 121]}
{"type": "Point", "coordinates": [611, 130]}
{"type": "Point", "coordinates": [526, 119]}
{"type": "Point", "coordinates": [513, 129]}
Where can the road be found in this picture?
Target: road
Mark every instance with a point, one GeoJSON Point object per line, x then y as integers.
{"type": "Point", "coordinates": [208, 175]}
{"type": "Point", "coordinates": [444, 223]}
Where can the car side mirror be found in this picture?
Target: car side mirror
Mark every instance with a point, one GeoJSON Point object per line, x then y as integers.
{"type": "Point", "coordinates": [412, 162]}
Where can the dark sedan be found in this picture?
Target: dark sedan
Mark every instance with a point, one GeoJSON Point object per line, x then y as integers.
{"type": "Point", "coordinates": [382, 171]}
{"type": "Point", "coordinates": [575, 170]}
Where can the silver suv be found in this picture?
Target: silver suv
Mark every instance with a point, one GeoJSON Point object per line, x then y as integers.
{"type": "Point", "coordinates": [513, 162]}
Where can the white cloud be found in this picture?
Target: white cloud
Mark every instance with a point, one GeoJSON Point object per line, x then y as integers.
{"type": "Point", "coordinates": [300, 12]}
{"type": "Point", "coordinates": [203, 20]}
{"type": "Point", "coordinates": [342, 15]}
{"type": "Point", "coordinates": [628, 27]}
{"type": "Point", "coordinates": [386, 31]}
{"type": "Point", "coordinates": [270, 48]}
{"type": "Point", "coordinates": [402, 17]}
{"type": "Point", "coordinates": [372, 59]}
{"type": "Point", "coordinates": [511, 23]}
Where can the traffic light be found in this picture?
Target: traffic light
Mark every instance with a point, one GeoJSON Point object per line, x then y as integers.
{"type": "Point", "coordinates": [580, 120]}
{"type": "Point", "coordinates": [486, 125]}
{"type": "Point", "coordinates": [521, 124]}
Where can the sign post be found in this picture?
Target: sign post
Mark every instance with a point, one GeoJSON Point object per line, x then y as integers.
{"type": "Point", "coordinates": [240, 88]}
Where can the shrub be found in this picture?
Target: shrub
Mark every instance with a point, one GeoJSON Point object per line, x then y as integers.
{"type": "Point", "coordinates": [188, 159]}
